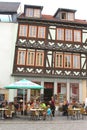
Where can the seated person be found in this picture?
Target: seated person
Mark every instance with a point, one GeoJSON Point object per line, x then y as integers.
{"type": "Point", "coordinates": [65, 108]}
{"type": "Point", "coordinates": [43, 105]}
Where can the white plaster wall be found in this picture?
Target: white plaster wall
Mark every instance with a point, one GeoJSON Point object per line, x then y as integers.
{"type": "Point", "coordinates": [8, 35]}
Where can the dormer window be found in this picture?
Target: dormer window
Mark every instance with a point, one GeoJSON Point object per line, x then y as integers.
{"type": "Point", "coordinates": [30, 12]}
{"type": "Point", "coordinates": [65, 14]}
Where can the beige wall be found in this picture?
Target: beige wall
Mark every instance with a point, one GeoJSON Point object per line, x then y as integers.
{"type": "Point", "coordinates": [4, 91]}
{"type": "Point", "coordinates": [84, 90]}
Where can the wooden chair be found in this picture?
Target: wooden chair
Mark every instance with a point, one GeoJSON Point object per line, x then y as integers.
{"type": "Point", "coordinates": [83, 113]}
{"type": "Point", "coordinates": [70, 114]}
{"type": "Point", "coordinates": [8, 113]}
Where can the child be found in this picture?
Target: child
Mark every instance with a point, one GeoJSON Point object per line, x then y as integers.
{"type": "Point", "coordinates": [49, 112]}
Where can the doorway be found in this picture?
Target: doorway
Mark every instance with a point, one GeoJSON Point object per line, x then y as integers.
{"type": "Point", "coordinates": [48, 91]}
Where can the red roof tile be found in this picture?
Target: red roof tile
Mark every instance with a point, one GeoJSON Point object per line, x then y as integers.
{"type": "Point", "coordinates": [52, 18]}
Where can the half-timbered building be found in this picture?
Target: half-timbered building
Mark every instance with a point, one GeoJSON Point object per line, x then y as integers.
{"type": "Point", "coordinates": [49, 50]}
{"type": "Point", "coordinates": [52, 51]}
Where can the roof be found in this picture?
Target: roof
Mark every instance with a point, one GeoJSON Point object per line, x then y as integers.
{"type": "Point", "coordinates": [51, 18]}
{"type": "Point", "coordinates": [9, 7]}
{"type": "Point", "coordinates": [33, 6]}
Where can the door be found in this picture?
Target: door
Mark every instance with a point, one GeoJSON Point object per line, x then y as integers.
{"type": "Point", "coordinates": [48, 91]}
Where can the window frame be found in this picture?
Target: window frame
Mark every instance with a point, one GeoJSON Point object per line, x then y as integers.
{"type": "Point", "coordinates": [23, 30]}
{"type": "Point", "coordinates": [32, 29]}
{"type": "Point", "coordinates": [78, 36]}
{"type": "Point", "coordinates": [70, 60]}
{"type": "Point", "coordinates": [31, 58]}
{"type": "Point", "coordinates": [69, 35]}
{"type": "Point", "coordinates": [58, 60]}
{"type": "Point", "coordinates": [60, 34]}
{"type": "Point", "coordinates": [19, 58]}
{"type": "Point", "coordinates": [41, 32]}
{"type": "Point", "coordinates": [70, 16]}
{"type": "Point", "coordinates": [29, 12]}
{"type": "Point", "coordinates": [76, 61]}
{"type": "Point", "coordinates": [38, 61]}
{"type": "Point", "coordinates": [37, 13]}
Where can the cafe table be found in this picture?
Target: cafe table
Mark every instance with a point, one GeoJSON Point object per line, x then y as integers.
{"type": "Point", "coordinates": [75, 112]}
{"type": "Point", "coordinates": [35, 112]}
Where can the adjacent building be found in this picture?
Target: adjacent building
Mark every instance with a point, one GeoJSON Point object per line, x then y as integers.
{"type": "Point", "coordinates": [9, 12]}
{"type": "Point", "coordinates": [48, 50]}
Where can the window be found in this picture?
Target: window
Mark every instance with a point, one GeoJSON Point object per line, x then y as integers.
{"type": "Point", "coordinates": [30, 57]}
{"type": "Point", "coordinates": [23, 30]}
{"type": "Point", "coordinates": [63, 16]}
{"type": "Point", "coordinates": [32, 31]}
{"type": "Point", "coordinates": [21, 94]}
{"type": "Point", "coordinates": [2, 97]}
{"type": "Point", "coordinates": [41, 32]}
{"type": "Point", "coordinates": [21, 57]}
{"type": "Point", "coordinates": [70, 16]}
{"type": "Point", "coordinates": [67, 60]}
{"type": "Point", "coordinates": [30, 12]}
{"type": "Point", "coordinates": [67, 16]}
{"type": "Point", "coordinates": [6, 18]}
{"type": "Point", "coordinates": [77, 36]}
{"type": "Point", "coordinates": [76, 61]}
{"type": "Point", "coordinates": [68, 35]}
{"type": "Point", "coordinates": [74, 90]}
{"type": "Point", "coordinates": [60, 34]}
{"type": "Point", "coordinates": [37, 13]}
{"type": "Point", "coordinates": [59, 60]}
{"type": "Point", "coordinates": [39, 58]}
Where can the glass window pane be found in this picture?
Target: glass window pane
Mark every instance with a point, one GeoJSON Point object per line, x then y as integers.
{"type": "Point", "coordinates": [29, 12]}
{"type": "Point", "coordinates": [76, 61]}
{"type": "Point", "coordinates": [32, 31]}
{"type": "Point", "coordinates": [30, 57]}
{"type": "Point", "coordinates": [67, 61]}
{"type": "Point", "coordinates": [37, 13]}
{"type": "Point", "coordinates": [23, 30]}
{"type": "Point", "coordinates": [60, 34]}
{"type": "Point", "coordinates": [68, 35]}
{"type": "Point", "coordinates": [59, 60]}
{"type": "Point", "coordinates": [77, 36]}
{"type": "Point", "coordinates": [41, 32]}
{"type": "Point", "coordinates": [39, 58]}
{"type": "Point", "coordinates": [21, 57]}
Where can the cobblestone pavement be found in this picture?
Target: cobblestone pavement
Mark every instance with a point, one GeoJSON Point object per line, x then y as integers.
{"type": "Point", "coordinates": [57, 123]}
